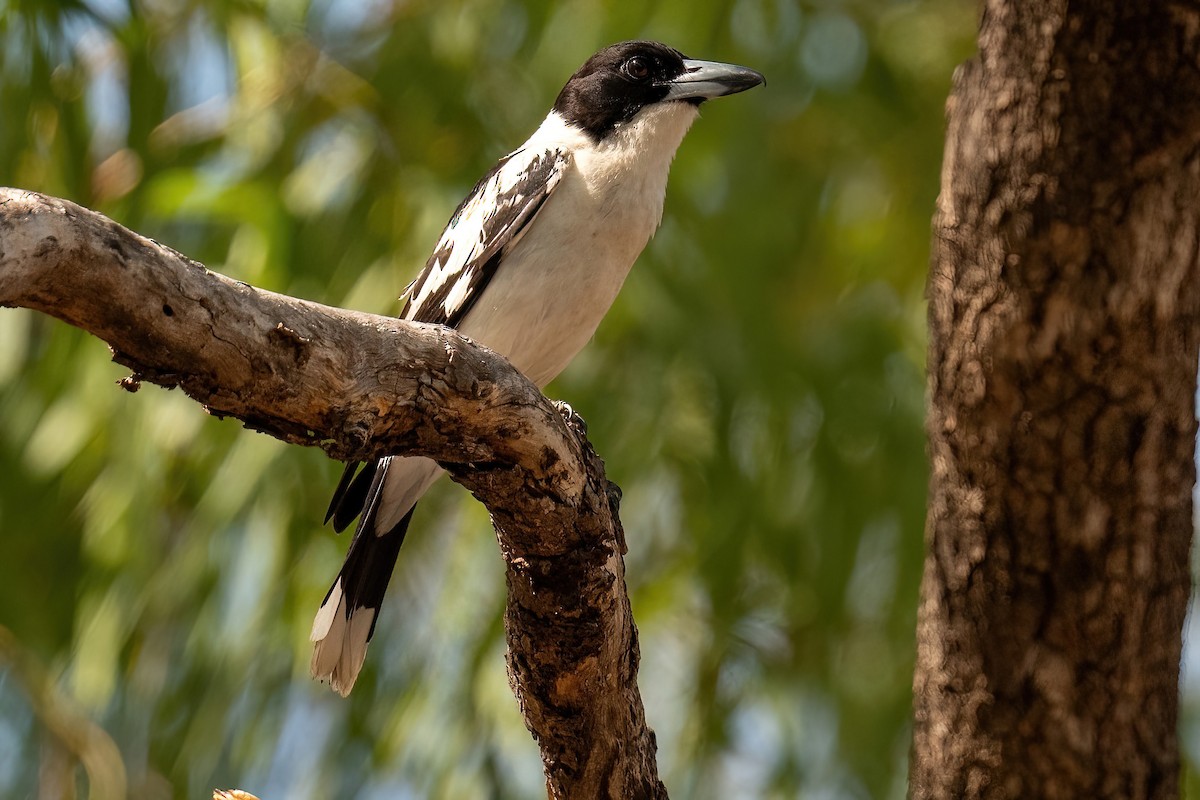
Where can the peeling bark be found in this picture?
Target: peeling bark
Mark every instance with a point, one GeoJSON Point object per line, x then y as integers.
{"type": "Point", "coordinates": [1064, 332]}
{"type": "Point", "coordinates": [361, 386]}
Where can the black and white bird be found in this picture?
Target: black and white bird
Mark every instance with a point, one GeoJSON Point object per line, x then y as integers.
{"type": "Point", "coordinates": [528, 265]}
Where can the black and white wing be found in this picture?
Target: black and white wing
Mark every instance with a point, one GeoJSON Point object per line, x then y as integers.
{"type": "Point", "coordinates": [486, 225]}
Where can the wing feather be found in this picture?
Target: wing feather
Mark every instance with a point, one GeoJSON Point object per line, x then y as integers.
{"type": "Point", "coordinates": [485, 226]}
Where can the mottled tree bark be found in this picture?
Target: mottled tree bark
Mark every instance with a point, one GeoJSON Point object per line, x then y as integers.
{"type": "Point", "coordinates": [361, 386]}
{"type": "Point", "coordinates": [1064, 296]}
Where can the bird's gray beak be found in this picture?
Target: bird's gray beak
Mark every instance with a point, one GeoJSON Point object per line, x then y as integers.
{"type": "Point", "coordinates": [704, 80]}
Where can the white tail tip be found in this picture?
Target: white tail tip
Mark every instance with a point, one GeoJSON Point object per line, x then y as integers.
{"type": "Point", "coordinates": [340, 642]}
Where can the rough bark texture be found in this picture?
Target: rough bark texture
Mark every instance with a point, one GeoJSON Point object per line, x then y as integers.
{"type": "Point", "coordinates": [1062, 368]}
{"type": "Point", "coordinates": [361, 386]}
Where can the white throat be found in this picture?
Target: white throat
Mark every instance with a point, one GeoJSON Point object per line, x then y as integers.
{"type": "Point", "coordinates": [634, 157]}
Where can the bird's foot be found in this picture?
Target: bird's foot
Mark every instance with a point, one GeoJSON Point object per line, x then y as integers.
{"type": "Point", "coordinates": [573, 420]}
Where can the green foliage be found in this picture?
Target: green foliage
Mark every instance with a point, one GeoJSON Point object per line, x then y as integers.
{"type": "Point", "coordinates": [756, 391]}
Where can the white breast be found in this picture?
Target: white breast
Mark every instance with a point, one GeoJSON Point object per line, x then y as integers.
{"type": "Point", "coordinates": [550, 293]}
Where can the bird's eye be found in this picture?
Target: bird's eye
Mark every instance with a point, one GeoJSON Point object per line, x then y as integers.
{"type": "Point", "coordinates": [637, 68]}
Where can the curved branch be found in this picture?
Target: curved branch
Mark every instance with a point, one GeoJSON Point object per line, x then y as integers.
{"type": "Point", "coordinates": [361, 386]}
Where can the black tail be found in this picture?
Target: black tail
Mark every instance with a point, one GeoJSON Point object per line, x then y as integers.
{"type": "Point", "coordinates": [346, 621]}
{"type": "Point", "coordinates": [350, 496]}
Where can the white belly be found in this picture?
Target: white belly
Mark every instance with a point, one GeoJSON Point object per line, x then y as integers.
{"type": "Point", "coordinates": [539, 310]}
{"type": "Point", "coordinates": [553, 289]}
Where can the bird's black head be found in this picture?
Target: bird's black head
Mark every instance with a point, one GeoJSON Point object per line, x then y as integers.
{"type": "Point", "coordinates": [622, 79]}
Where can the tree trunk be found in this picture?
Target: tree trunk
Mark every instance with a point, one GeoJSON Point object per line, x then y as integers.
{"type": "Point", "coordinates": [1062, 369]}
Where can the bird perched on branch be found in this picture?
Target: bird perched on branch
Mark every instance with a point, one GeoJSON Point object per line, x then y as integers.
{"type": "Point", "coordinates": [528, 265]}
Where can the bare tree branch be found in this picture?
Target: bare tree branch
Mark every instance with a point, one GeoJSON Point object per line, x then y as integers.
{"type": "Point", "coordinates": [362, 386]}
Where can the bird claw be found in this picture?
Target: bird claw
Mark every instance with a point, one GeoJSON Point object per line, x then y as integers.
{"type": "Point", "coordinates": [573, 419]}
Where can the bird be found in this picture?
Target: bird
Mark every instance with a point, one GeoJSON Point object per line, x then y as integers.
{"type": "Point", "coordinates": [528, 265]}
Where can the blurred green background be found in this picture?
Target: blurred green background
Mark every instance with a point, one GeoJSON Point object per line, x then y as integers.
{"type": "Point", "coordinates": [756, 391]}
